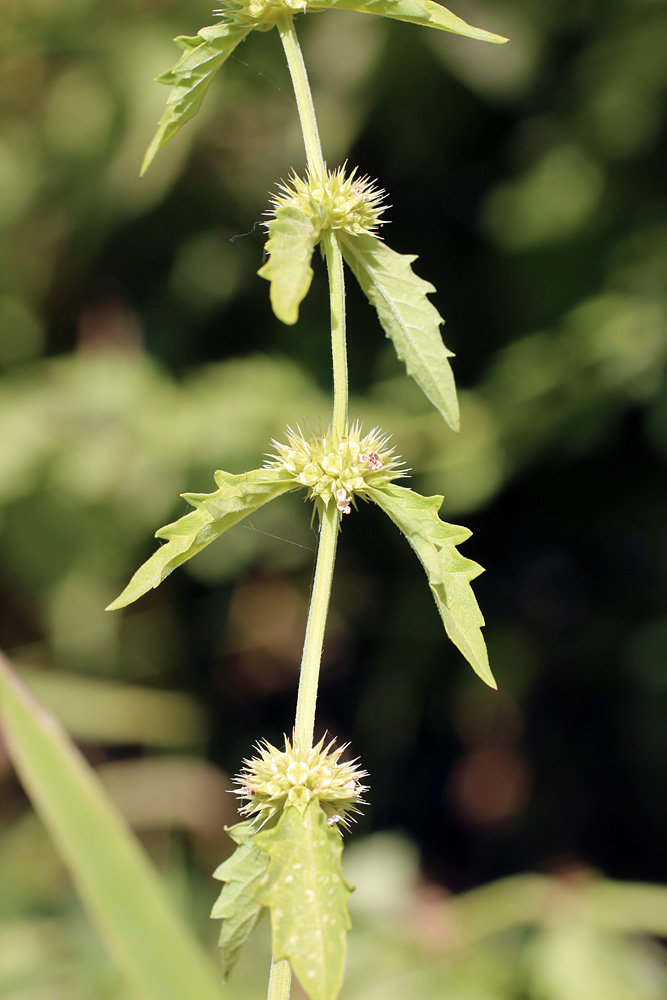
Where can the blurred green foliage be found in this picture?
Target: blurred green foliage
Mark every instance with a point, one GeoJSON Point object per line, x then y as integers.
{"type": "Point", "coordinates": [139, 353]}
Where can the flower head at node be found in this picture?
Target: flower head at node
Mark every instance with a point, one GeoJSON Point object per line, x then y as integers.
{"type": "Point", "coordinates": [275, 779]}
{"type": "Point", "coordinates": [259, 14]}
{"type": "Point", "coordinates": [334, 200]}
{"type": "Point", "coordinates": [336, 469]}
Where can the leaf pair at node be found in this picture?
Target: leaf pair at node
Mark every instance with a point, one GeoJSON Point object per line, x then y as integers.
{"type": "Point", "coordinates": [204, 53]}
{"type": "Point", "coordinates": [349, 207]}
{"type": "Point", "coordinates": [334, 471]}
{"type": "Point", "coordinates": [288, 860]}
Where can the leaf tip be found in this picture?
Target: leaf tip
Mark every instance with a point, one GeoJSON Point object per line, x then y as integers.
{"type": "Point", "coordinates": [125, 597]}
{"type": "Point", "coordinates": [490, 36]}
{"type": "Point", "coordinates": [483, 671]}
{"type": "Point", "coordinates": [148, 158]}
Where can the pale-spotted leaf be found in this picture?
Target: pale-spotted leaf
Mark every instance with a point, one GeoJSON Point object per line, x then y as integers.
{"type": "Point", "coordinates": [203, 55]}
{"type": "Point", "coordinates": [307, 893]}
{"type": "Point", "coordinates": [449, 573]}
{"type": "Point", "coordinates": [409, 319]}
{"type": "Point", "coordinates": [236, 905]}
{"type": "Point", "coordinates": [424, 12]}
{"type": "Point", "coordinates": [215, 513]}
{"type": "Point", "coordinates": [292, 239]}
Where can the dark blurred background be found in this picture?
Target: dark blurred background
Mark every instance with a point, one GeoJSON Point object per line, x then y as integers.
{"type": "Point", "coordinates": [138, 353]}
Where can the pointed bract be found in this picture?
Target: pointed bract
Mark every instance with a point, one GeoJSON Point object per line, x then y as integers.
{"type": "Point", "coordinates": [335, 199]}
{"type": "Point", "coordinates": [276, 779]}
{"type": "Point", "coordinates": [333, 467]}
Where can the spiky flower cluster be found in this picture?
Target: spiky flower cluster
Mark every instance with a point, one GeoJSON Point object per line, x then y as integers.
{"type": "Point", "coordinates": [334, 200]}
{"type": "Point", "coordinates": [337, 468]}
{"type": "Point", "coordinates": [259, 14]}
{"type": "Point", "coordinates": [275, 779]}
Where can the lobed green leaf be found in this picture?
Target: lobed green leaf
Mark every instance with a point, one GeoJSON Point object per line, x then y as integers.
{"type": "Point", "coordinates": [424, 12]}
{"type": "Point", "coordinates": [236, 497]}
{"type": "Point", "coordinates": [236, 905]}
{"type": "Point", "coordinates": [154, 949]}
{"type": "Point", "coordinates": [307, 893]}
{"type": "Point", "coordinates": [449, 573]}
{"type": "Point", "coordinates": [203, 55]}
{"type": "Point", "coordinates": [407, 316]}
{"type": "Point", "coordinates": [292, 239]}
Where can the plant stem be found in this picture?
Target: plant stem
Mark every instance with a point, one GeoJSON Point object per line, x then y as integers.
{"type": "Point", "coordinates": [304, 724]}
{"type": "Point", "coordinates": [317, 616]}
{"type": "Point", "coordinates": [280, 981]}
{"type": "Point", "coordinates": [326, 553]}
{"type": "Point", "coordinates": [311, 140]}
{"type": "Point", "coordinates": [304, 98]}
{"type": "Point", "coordinates": [338, 341]}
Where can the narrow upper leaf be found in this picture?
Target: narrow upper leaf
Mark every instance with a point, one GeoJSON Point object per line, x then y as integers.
{"type": "Point", "coordinates": [307, 894]}
{"type": "Point", "coordinates": [203, 55]}
{"type": "Point", "coordinates": [117, 882]}
{"type": "Point", "coordinates": [449, 573]}
{"type": "Point", "coordinates": [292, 239]}
{"type": "Point", "coordinates": [236, 905]}
{"type": "Point", "coordinates": [236, 497]}
{"type": "Point", "coordinates": [416, 12]}
{"type": "Point", "coordinates": [407, 316]}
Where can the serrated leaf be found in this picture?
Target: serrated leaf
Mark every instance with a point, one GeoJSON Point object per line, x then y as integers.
{"type": "Point", "coordinates": [307, 894]}
{"type": "Point", "coordinates": [236, 905]}
{"type": "Point", "coordinates": [292, 239]}
{"type": "Point", "coordinates": [424, 12]}
{"type": "Point", "coordinates": [407, 316]}
{"type": "Point", "coordinates": [449, 573]}
{"type": "Point", "coordinates": [236, 497]}
{"type": "Point", "coordinates": [203, 55]}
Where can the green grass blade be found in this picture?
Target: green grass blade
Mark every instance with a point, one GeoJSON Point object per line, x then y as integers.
{"type": "Point", "coordinates": [407, 317]}
{"type": "Point", "coordinates": [307, 894]}
{"type": "Point", "coordinates": [424, 12]}
{"type": "Point", "coordinates": [449, 573]}
{"type": "Point", "coordinates": [235, 498]}
{"type": "Point", "coordinates": [123, 893]}
{"type": "Point", "coordinates": [292, 239]}
{"type": "Point", "coordinates": [203, 55]}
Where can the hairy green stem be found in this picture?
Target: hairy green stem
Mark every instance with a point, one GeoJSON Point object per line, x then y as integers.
{"type": "Point", "coordinates": [280, 981]}
{"type": "Point", "coordinates": [326, 552]}
{"type": "Point", "coordinates": [304, 99]}
{"type": "Point", "coordinates": [338, 341]}
{"type": "Point", "coordinates": [317, 618]}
